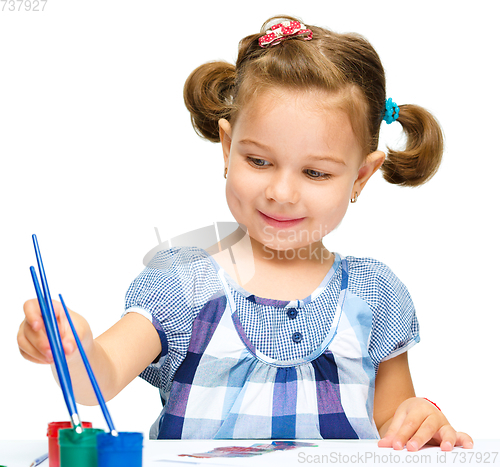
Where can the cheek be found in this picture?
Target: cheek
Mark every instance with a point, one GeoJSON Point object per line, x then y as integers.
{"type": "Point", "coordinates": [243, 184]}
{"type": "Point", "coordinates": [330, 212]}
{"type": "Point", "coordinates": [230, 197]}
{"type": "Point", "coordinates": [237, 197]}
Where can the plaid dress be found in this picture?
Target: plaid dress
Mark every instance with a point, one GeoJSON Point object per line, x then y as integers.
{"type": "Point", "coordinates": [234, 365]}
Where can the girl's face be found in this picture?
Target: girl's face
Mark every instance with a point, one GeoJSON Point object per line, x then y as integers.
{"type": "Point", "coordinates": [293, 165]}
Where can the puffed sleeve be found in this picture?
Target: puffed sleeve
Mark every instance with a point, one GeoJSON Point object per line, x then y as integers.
{"type": "Point", "coordinates": [395, 327]}
{"type": "Point", "coordinates": [169, 293]}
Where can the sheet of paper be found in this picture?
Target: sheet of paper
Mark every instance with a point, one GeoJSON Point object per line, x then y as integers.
{"type": "Point", "coordinates": [327, 452]}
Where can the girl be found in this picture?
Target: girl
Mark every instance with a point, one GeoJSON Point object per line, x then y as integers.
{"type": "Point", "coordinates": [267, 334]}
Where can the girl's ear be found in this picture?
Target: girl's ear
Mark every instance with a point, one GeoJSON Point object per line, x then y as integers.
{"type": "Point", "coordinates": [371, 164]}
{"type": "Point", "coordinates": [225, 138]}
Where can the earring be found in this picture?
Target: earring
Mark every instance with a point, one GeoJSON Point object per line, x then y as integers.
{"type": "Point", "coordinates": [353, 200]}
{"type": "Point", "coordinates": [225, 172]}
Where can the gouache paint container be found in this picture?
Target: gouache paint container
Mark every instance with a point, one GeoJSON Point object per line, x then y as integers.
{"type": "Point", "coordinates": [78, 449]}
{"type": "Point", "coordinates": [124, 450]}
{"type": "Point", "coordinates": [53, 433]}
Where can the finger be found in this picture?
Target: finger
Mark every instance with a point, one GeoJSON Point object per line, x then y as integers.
{"type": "Point", "coordinates": [394, 427]}
{"type": "Point", "coordinates": [433, 429]}
{"type": "Point", "coordinates": [464, 440]}
{"type": "Point", "coordinates": [33, 314]}
{"type": "Point", "coordinates": [65, 331]}
{"type": "Point", "coordinates": [37, 339]}
{"type": "Point", "coordinates": [69, 346]}
{"type": "Point", "coordinates": [448, 438]}
{"type": "Point", "coordinates": [63, 327]}
{"type": "Point", "coordinates": [62, 322]}
{"type": "Point", "coordinates": [67, 338]}
{"type": "Point", "coordinates": [36, 343]}
{"type": "Point", "coordinates": [30, 358]}
{"type": "Point", "coordinates": [31, 352]}
{"type": "Point", "coordinates": [37, 346]}
{"type": "Point", "coordinates": [420, 431]}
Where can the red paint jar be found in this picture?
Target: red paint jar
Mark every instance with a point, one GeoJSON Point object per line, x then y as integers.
{"type": "Point", "coordinates": [52, 434]}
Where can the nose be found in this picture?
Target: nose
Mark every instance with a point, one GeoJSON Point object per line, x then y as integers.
{"type": "Point", "coordinates": [282, 188]}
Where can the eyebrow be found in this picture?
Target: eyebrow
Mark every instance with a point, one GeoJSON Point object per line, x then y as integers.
{"type": "Point", "coordinates": [313, 158]}
{"type": "Point", "coordinates": [327, 158]}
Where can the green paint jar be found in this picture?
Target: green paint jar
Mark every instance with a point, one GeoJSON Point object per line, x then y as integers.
{"type": "Point", "coordinates": [78, 449]}
{"type": "Point", "coordinates": [53, 435]}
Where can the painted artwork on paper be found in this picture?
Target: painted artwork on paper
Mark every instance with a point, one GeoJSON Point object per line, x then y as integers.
{"type": "Point", "coordinates": [250, 451]}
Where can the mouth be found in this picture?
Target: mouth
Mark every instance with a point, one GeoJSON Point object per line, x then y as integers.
{"type": "Point", "coordinates": [279, 221]}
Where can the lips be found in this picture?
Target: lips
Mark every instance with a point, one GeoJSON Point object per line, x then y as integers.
{"type": "Point", "coordinates": [280, 221]}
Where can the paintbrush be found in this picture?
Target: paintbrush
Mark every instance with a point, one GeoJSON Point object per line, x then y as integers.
{"type": "Point", "coordinates": [54, 337]}
{"type": "Point", "coordinates": [93, 380]}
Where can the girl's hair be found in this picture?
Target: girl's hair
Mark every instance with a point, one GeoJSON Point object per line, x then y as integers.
{"type": "Point", "coordinates": [345, 64]}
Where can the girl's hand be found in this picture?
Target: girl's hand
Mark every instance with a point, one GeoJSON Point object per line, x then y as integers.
{"type": "Point", "coordinates": [32, 337]}
{"type": "Point", "coordinates": [117, 356]}
{"type": "Point", "coordinates": [418, 422]}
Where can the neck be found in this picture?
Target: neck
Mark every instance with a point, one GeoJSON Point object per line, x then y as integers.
{"type": "Point", "coordinates": [311, 254]}
{"type": "Point", "coordinates": [247, 247]}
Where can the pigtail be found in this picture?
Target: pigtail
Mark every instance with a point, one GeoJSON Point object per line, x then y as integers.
{"type": "Point", "coordinates": [207, 95]}
{"type": "Point", "coordinates": [419, 160]}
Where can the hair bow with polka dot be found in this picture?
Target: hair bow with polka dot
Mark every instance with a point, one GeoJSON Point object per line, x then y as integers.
{"type": "Point", "coordinates": [280, 31]}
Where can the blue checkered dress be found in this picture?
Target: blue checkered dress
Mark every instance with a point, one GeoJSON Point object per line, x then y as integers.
{"type": "Point", "coordinates": [234, 365]}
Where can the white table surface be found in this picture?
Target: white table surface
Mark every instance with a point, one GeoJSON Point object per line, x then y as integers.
{"type": "Point", "coordinates": [328, 452]}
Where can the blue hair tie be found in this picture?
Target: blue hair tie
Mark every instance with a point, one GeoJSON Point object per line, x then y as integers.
{"type": "Point", "coordinates": [391, 111]}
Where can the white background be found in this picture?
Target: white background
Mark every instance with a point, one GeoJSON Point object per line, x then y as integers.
{"type": "Point", "coordinates": [97, 149]}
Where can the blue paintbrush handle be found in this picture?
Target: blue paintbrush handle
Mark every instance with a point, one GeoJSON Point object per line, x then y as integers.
{"type": "Point", "coordinates": [59, 360]}
{"type": "Point", "coordinates": [50, 316]}
{"type": "Point", "coordinates": [93, 380]}
{"type": "Point", "coordinates": [50, 321]}
{"type": "Point", "coordinates": [39, 460]}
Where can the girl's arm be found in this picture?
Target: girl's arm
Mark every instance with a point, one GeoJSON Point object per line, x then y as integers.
{"type": "Point", "coordinates": [117, 356]}
{"type": "Point", "coordinates": [403, 419]}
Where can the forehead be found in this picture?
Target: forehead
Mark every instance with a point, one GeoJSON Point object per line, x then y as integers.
{"type": "Point", "coordinates": [312, 121]}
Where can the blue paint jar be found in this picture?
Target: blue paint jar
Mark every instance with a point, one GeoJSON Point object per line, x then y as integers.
{"type": "Point", "coordinates": [124, 450]}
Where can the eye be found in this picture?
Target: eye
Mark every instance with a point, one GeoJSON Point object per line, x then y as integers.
{"type": "Point", "coordinates": [317, 175]}
{"type": "Point", "coordinates": [314, 174]}
{"type": "Point", "coordinates": [257, 162]}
